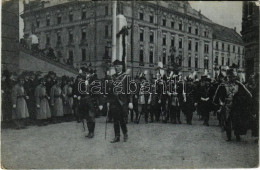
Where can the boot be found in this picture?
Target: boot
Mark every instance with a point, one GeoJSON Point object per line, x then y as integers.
{"type": "Point", "coordinates": [91, 135]}
{"type": "Point", "coordinates": [89, 130]}
{"type": "Point", "coordinates": [116, 139]}
{"type": "Point", "coordinates": [125, 137]}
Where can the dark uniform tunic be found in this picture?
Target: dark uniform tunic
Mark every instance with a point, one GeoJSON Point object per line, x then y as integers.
{"type": "Point", "coordinates": [119, 103]}
{"type": "Point", "coordinates": [188, 105]}
{"type": "Point", "coordinates": [235, 98]}
{"type": "Point", "coordinates": [204, 101]}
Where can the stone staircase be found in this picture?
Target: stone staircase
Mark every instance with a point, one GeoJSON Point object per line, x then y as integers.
{"type": "Point", "coordinates": [35, 61]}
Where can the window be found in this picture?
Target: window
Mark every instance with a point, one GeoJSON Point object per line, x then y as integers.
{"type": "Point", "coordinates": [47, 39]}
{"type": "Point", "coordinates": [83, 14]}
{"type": "Point", "coordinates": [37, 22]}
{"type": "Point", "coordinates": [222, 61]}
{"type": "Point", "coordinates": [239, 50]}
{"type": "Point", "coordinates": [151, 19]}
{"type": "Point", "coordinates": [228, 48]}
{"type": "Point", "coordinates": [216, 60]}
{"type": "Point", "coordinates": [164, 22]}
{"type": "Point", "coordinates": [151, 36]}
{"type": "Point", "coordinates": [189, 61]}
{"type": "Point", "coordinates": [59, 19]}
{"type": "Point", "coordinates": [141, 35]}
{"type": "Point", "coordinates": [205, 34]}
{"type": "Point", "coordinates": [196, 62]}
{"type": "Point", "coordinates": [180, 59]}
{"type": "Point", "coordinates": [196, 31]}
{"type": "Point", "coordinates": [70, 36]}
{"type": "Point", "coordinates": [83, 54]}
{"type": "Point", "coordinates": [172, 24]}
{"type": "Point", "coordinates": [141, 55]}
{"type": "Point", "coordinates": [48, 21]}
{"type": "Point", "coordinates": [106, 31]}
{"type": "Point", "coordinates": [234, 49]}
{"type": "Point", "coordinates": [189, 45]}
{"type": "Point", "coordinates": [196, 46]}
{"type": "Point", "coordinates": [180, 25]}
{"type": "Point", "coordinates": [164, 39]}
{"type": "Point", "coordinates": [151, 56]}
{"type": "Point", "coordinates": [58, 38]}
{"type": "Point", "coordinates": [141, 16]}
{"type": "Point", "coordinates": [206, 48]}
{"type": "Point", "coordinates": [172, 41]}
{"type": "Point", "coordinates": [223, 46]}
{"type": "Point", "coordinates": [238, 63]}
{"type": "Point", "coordinates": [70, 60]}
{"type": "Point", "coordinates": [83, 34]}
{"type": "Point", "coordinates": [106, 10]}
{"type": "Point", "coordinates": [164, 56]}
{"type": "Point", "coordinates": [228, 62]}
{"type": "Point", "coordinates": [71, 16]}
{"type": "Point", "coordinates": [217, 45]}
{"type": "Point", "coordinates": [206, 63]}
{"type": "Point", "coordinates": [189, 29]}
{"type": "Point", "coordinates": [180, 42]}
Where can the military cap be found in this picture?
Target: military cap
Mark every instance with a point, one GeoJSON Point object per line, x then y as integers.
{"type": "Point", "coordinates": [117, 62]}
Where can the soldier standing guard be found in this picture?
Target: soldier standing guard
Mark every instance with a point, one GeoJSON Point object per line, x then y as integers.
{"type": "Point", "coordinates": [20, 110]}
{"type": "Point", "coordinates": [118, 101]}
{"type": "Point", "coordinates": [56, 101]}
{"type": "Point", "coordinates": [188, 104]}
{"type": "Point", "coordinates": [43, 109]}
{"type": "Point", "coordinates": [203, 99]}
{"type": "Point", "coordinates": [87, 100]}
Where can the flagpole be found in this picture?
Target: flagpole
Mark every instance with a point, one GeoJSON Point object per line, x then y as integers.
{"type": "Point", "coordinates": [113, 58]}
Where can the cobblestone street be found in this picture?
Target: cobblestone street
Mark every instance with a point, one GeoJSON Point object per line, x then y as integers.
{"type": "Point", "coordinates": [153, 145]}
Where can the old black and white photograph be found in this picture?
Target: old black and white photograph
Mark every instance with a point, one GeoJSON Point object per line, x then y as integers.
{"type": "Point", "coordinates": [88, 84]}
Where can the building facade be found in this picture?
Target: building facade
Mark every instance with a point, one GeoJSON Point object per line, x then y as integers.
{"type": "Point", "coordinates": [250, 35]}
{"type": "Point", "coordinates": [81, 34]}
{"type": "Point", "coordinates": [228, 48]}
{"type": "Point", "coordinates": [10, 35]}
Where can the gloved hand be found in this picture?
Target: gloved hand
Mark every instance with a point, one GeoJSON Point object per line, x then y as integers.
{"type": "Point", "coordinates": [100, 107]}
{"type": "Point", "coordinates": [130, 106]}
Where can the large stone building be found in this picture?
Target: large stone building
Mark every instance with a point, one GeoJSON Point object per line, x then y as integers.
{"type": "Point", "coordinates": [81, 33]}
{"type": "Point", "coordinates": [228, 48]}
{"type": "Point", "coordinates": [250, 35]}
{"type": "Point", "coordinates": [10, 34]}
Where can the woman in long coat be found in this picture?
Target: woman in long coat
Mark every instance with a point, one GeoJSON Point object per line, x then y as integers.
{"type": "Point", "coordinates": [43, 109]}
{"type": "Point", "coordinates": [68, 99]}
{"type": "Point", "coordinates": [56, 100]}
{"type": "Point", "coordinates": [20, 110]}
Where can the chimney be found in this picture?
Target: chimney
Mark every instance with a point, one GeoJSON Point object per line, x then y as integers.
{"type": "Point", "coordinates": [235, 29]}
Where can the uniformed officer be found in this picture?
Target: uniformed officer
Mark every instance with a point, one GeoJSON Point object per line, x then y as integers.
{"type": "Point", "coordinates": [119, 101]}
{"type": "Point", "coordinates": [87, 99]}
{"type": "Point", "coordinates": [234, 98]}
{"type": "Point", "coordinates": [203, 99]}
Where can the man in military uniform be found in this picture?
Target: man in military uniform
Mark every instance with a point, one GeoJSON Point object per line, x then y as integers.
{"type": "Point", "coordinates": [188, 103]}
{"type": "Point", "coordinates": [118, 102]}
{"type": "Point", "coordinates": [203, 99]}
{"type": "Point", "coordinates": [87, 99]}
{"type": "Point", "coordinates": [234, 98]}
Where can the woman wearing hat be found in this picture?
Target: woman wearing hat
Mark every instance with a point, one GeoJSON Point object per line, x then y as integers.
{"type": "Point", "coordinates": [42, 105]}
{"type": "Point", "coordinates": [56, 101]}
{"type": "Point", "coordinates": [20, 110]}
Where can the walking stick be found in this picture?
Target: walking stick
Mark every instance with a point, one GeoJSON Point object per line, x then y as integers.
{"type": "Point", "coordinates": [106, 123]}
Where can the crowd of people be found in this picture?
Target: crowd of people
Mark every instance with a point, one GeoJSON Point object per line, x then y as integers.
{"type": "Point", "coordinates": [33, 98]}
